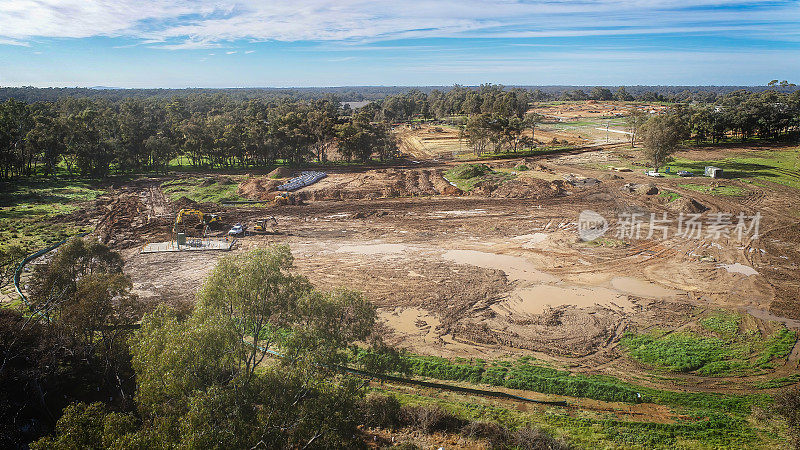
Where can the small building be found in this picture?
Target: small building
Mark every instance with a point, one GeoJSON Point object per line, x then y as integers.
{"type": "Point", "coordinates": [713, 172]}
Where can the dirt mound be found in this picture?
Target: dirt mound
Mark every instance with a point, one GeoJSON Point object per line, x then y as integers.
{"type": "Point", "coordinates": [381, 183]}
{"type": "Point", "coordinates": [280, 172]}
{"type": "Point", "coordinates": [641, 189]}
{"type": "Point", "coordinates": [533, 188]}
{"type": "Point", "coordinates": [686, 205]}
{"type": "Point", "coordinates": [125, 224]}
{"type": "Point", "coordinates": [184, 202]}
{"type": "Point", "coordinates": [261, 188]}
{"type": "Point", "coordinates": [565, 330]}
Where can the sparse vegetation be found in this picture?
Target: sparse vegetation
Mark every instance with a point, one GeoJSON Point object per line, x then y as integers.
{"type": "Point", "coordinates": [725, 352]}
{"type": "Point", "coordinates": [202, 190]}
{"type": "Point", "coordinates": [28, 211]}
{"type": "Point", "coordinates": [715, 190]}
{"type": "Point", "coordinates": [468, 176]}
{"type": "Point", "coordinates": [777, 166]}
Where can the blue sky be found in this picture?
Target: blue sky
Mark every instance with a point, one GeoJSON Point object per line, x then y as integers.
{"type": "Point", "coordinates": [207, 43]}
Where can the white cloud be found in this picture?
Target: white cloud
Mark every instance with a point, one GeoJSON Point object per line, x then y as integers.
{"type": "Point", "coordinates": [197, 24]}
{"type": "Point", "coordinates": [230, 52]}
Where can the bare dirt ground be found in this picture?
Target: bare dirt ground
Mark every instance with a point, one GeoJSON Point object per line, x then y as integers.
{"type": "Point", "coordinates": [501, 272]}
{"type": "Point", "coordinates": [591, 109]}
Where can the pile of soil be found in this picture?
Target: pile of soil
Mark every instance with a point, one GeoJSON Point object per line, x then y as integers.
{"type": "Point", "coordinates": [184, 203]}
{"type": "Point", "coordinates": [533, 188]}
{"type": "Point", "coordinates": [641, 189]}
{"type": "Point", "coordinates": [262, 188]}
{"type": "Point", "coordinates": [125, 223]}
{"type": "Point", "coordinates": [686, 205]}
{"type": "Point", "coordinates": [280, 172]}
{"type": "Point", "coordinates": [382, 183]}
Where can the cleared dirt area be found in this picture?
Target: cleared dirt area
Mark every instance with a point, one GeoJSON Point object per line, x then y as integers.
{"type": "Point", "coordinates": [427, 142]}
{"type": "Point", "coordinates": [501, 270]}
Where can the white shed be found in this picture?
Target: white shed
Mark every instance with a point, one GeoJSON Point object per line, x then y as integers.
{"type": "Point", "coordinates": [713, 172]}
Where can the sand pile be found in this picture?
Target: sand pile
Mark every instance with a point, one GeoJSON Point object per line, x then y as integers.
{"type": "Point", "coordinates": [533, 188]}
{"type": "Point", "coordinates": [184, 202]}
{"type": "Point", "coordinates": [261, 188]}
{"type": "Point", "coordinates": [125, 223]}
{"type": "Point", "coordinates": [381, 183]}
{"type": "Point", "coordinates": [686, 205]}
{"type": "Point", "coordinates": [280, 172]}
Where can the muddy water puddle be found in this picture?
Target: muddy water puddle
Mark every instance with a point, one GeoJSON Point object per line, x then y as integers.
{"type": "Point", "coordinates": [537, 290]}
{"type": "Point", "coordinates": [739, 268]}
{"type": "Point", "coordinates": [641, 288]}
{"type": "Point", "coordinates": [536, 299]}
{"type": "Point", "coordinates": [515, 267]}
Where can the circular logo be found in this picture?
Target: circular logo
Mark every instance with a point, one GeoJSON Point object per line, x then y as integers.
{"type": "Point", "coordinates": [591, 225]}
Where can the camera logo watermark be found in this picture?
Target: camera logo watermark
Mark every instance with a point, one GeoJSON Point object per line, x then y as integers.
{"type": "Point", "coordinates": [591, 225]}
{"type": "Point", "coordinates": [637, 225]}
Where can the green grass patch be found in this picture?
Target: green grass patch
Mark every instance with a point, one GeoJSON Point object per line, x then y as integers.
{"type": "Point", "coordinates": [669, 195]}
{"type": "Point", "coordinates": [779, 382]}
{"type": "Point", "coordinates": [780, 166]}
{"type": "Point", "coordinates": [467, 176]}
{"type": "Point", "coordinates": [707, 420]}
{"type": "Point", "coordinates": [676, 352]}
{"type": "Point", "coordinates": [29, 208]}
{"type": "Point", "coordinates": [723, 323]}
{"type": "Point", "coordinates": [530, 152]}
{"type": "Point", "coordinates": [203, 189]}
{"type": "Point", "coordinates": [725, 351]}
{"type": "Point", "coordinates": [731, 191]}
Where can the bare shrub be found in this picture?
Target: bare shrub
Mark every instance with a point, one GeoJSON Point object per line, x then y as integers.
{"type": "Point", "coordinates": [536, 439]}
{"type": "Point", "coordinates": [380, 411]}
{"type": "Point", "coordinates": [787, 405]}
{"type": "Point", "coordinates": [497, 435]}
{"type": "Point", "coordinates": [431, 418]}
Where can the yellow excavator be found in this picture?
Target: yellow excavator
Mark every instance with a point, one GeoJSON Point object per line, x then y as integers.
{"type": "Point", "coordinates": [286, 198]}
{"type": "Point", "coordinates": [196, 218]}
{"type": "Point", "coordinates": [266, 226]}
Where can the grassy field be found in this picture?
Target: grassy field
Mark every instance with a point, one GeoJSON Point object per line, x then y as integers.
{"type": "Point", "coordinates": [731, 191]}
{"type": "Point", "coordinates": [586, 429]}
{"type": "Point", "coordinates": [782, 167]}
{"type": "Point", "coordinates": [467, 176]}
{"type": "Point", "coordinates": [719, 349]}
{"type": "Point", "coordinates": [203, 189]}
{"type": "Point", "coordinates": [702, 420]}
{"type": "Point", "coordinates": [31, 211]}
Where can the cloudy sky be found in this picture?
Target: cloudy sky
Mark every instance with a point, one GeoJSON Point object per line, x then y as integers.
{"type": "Point", "coordinates": [205, 43]}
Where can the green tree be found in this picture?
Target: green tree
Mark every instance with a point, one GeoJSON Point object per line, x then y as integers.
{"type": "Point", "coordinates": [197, 383]}
{"type": "Point", "coordinates": [84, 295]}
{"type": "Point", "coordinates": [634, 122]}
{"type": "Point", "coordinates": [661, 135]}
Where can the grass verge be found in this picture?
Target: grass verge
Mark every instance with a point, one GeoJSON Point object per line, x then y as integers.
{"type": "Point", "coordinates": [203, 189]}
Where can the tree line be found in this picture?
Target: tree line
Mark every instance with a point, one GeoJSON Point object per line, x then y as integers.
{"type": "Point", "coordinates": [95, 137]}
{"type": "Point", "coordinates": [31, 94]}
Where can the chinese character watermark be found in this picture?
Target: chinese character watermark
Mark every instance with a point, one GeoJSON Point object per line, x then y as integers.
{"type": "Point", "coordinates": [638, 225]}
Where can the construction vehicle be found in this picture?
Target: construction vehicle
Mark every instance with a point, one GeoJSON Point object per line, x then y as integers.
{"type": "Point", "coordinates": [266, 226]}
{"type": "Point", "coordinates": [195, 218]}
{"type": "Point", "coordinates": [285, 198]}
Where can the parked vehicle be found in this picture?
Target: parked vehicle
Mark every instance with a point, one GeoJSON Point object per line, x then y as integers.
{"type": "Point", "coordinates": [685, 173]}
{"type": "Point", "coordinates": [653, 173]}
{"type": "Point", "coordinates": [237, 230]}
